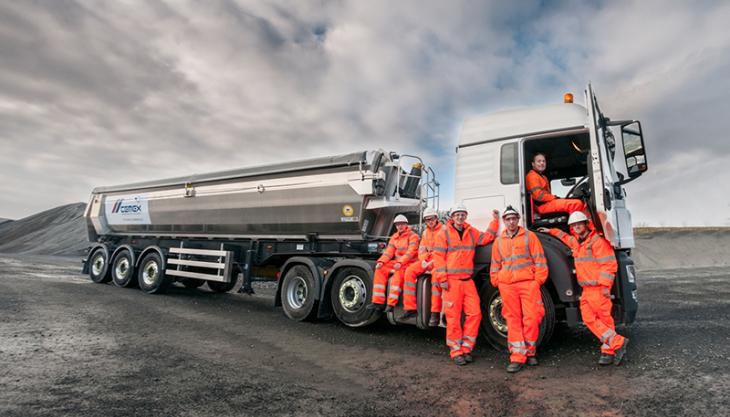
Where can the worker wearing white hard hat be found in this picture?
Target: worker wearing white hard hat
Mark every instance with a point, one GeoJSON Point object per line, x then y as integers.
{"type": "Point", "coordinates": [595, 269]}
{"type": "Point", "coordinates": [453, 268]}
{"type": "Point", "coordinates": [518, 269]}
{"type": "Point", "coordinates": [398, 255]}
{"type": "Point", "coordinates": [425, 264]}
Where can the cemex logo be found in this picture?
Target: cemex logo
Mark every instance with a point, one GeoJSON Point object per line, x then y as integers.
{"type": "Point", "coordinates": [120, 207]}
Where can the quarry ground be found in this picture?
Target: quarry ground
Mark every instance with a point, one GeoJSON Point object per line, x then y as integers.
{"type": "Point", "coordinates": [72, 347]}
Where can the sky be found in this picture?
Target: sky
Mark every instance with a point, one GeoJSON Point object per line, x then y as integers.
{"type": "Point", "coordinates": [100, 93]}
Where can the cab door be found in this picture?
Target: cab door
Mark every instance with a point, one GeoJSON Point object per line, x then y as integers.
{"type": "Point", "coordinates": [607, 194]}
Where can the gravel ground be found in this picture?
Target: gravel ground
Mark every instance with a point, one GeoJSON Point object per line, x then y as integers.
{"type": "Point", "coordinates": [71, 347]}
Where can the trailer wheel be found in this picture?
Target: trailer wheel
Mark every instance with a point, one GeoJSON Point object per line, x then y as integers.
{"type": "Point", "coordinates": [123, 270]}
{"type": "Point", "coordinates": [151, 275]}
{"type": "Point", "coordinates": [351, 292]}
{"type": "Point", "coordinates": [216, 286]}
{"type": "Point", "coordinates": [192, 283]}
{"type": "Point", "coordinates": [494, 326]}
{"type": "Point", "coordinates": [297, 293]}
{"type": "Point", "coordinates": [99, 267]}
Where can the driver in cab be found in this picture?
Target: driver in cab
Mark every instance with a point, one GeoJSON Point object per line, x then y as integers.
{"type": "Point", "coordinates": [538, 187]}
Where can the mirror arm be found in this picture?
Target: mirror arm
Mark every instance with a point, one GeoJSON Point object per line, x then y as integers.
{"type": "Point", "coordinates": [621, 123]}
{"type": "Point", "coordinates": [627, 180]}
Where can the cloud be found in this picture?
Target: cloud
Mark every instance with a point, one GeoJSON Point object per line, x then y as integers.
{"type": "Point", "coordinates": [106, 93]}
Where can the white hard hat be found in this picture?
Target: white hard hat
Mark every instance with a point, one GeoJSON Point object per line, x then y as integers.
{"type": "Point", "coordinates": [509, 210]}
{"type": "Point", "coordinates": [400, 219]}
{"type": "Point", "coordinates": [577, 217]}
{"type": "Point", "coordinates": [429, 212]}
{"type": "Point", "coordinates": [458, 208]}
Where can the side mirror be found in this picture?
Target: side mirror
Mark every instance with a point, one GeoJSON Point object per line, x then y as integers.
{"type": "Point", "coordinates": [634, 152]}
{"type": "Point", "coordinates": [568, 182]}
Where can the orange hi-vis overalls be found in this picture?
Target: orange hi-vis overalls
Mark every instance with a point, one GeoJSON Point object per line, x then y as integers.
{"type": "Point", "coordinates": [595, 266]}
{"type": "Point", "coordinates": [425, 254]}
{"type": "Point", "coordinates": [453, 256]}
{"type": "Point", "coordinates": [518, 269]}
{"type": "Point", "coordinates": [538, 187]}
{"type": "Point", "coordinates": [402, 248]}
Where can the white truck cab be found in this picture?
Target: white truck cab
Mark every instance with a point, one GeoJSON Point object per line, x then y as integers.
{"type": "Point", "coordinates": [584, 161]}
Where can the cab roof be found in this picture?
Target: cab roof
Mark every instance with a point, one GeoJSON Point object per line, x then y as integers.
{"type": "Point", "coordinates": [522, 122]}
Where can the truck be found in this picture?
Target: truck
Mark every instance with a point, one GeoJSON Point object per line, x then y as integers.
{"type": "Point", "coordinates": [317, 226]}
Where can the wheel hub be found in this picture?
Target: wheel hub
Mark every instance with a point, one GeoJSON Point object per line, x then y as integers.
{"type": "Point", "coordinates": [122, 268]}
{"type": "Point", "coordinates": [352, 294]}
{"type": "Point", "coordinates": [495, 315]}
{"type": "Point", "coordinates": [150, 273]}
{"type": "Point", "coordinates": [296, 293]}
{"type": "Point", "coordinates": [98, 265]}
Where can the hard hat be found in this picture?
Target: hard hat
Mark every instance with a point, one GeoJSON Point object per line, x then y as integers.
{"type": "Point", "coordinates": [458, 208]}
{"type": "Point", "coordinates": [429, 212]}
{"type": "Point", "coordinates": [577, 217]}
{"type": "Point", "coordinates": [509, 210]}
{"type": "Point", "coordinates": [400, 219]}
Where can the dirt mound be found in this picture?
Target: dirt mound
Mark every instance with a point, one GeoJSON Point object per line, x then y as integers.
{"type": "Point", "coordinates": [681, 247]}
{"type": "Point", "coordinates": [58, 231]}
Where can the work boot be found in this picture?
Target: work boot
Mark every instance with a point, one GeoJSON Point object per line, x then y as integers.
{"type": "Point", "coordinates": [532, 361]}
{"type": "Point", "coordinates": [515, 367]}
{"type": "Point", "coordinates": [620, 352]}
{"type": "Point", "coordinates": [459, 360]}
{"type": "Point", "coordinates": [375, 306]}
{"type": "Point", "coordinates": [605, 359]}
{"type": "Point", "coordinates": [388, 309]}
{"type": "Point", "coordinates": [407, 315]}
{"type": "Point", "coordinates": [468, 358]}
{"type": "Point", "coordinates": [434, 320]}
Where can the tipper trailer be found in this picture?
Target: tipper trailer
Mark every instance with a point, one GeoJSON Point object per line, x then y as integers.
{"type": "Point", "coordinates": [319, 225]}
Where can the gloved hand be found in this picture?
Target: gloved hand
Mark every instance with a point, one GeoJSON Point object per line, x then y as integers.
{"type": "Point", "coordinates": [444, 285]}
{"type": "Point", "coordinates": [606, 292]}
{"type": "Point", "coordinates": [378, 265]}
{"type": "Point", "coordinates": [425, 264]}
{"type": "Point", "coordinates": [396, 266]}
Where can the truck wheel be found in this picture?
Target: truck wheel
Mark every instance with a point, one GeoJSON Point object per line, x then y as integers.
{"type": "Point", "coordinates": [297, 293]}
{"type": "Point", "coordinates": [123, 270]}
{"type": "Point", "coordinates": [99, 267]}
{"type": "Point", "coordinates": [216, 286]}
{"type": "Point", "coordinates": [192, 283]}
{"type": "Point", "coordinates": [350, 294]}
{"type": "Point", "coordinates": [151, 275]}
{"type": "Point", "coordinates": [494, 326]}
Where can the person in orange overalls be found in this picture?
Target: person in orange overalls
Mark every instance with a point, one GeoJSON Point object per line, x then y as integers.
{"type": "Point", "coordinates": [538, 187]}
{"type": "Point", "coordinates": [595, 266]}
{"type": "Point", "coordinates": [424, 264]}
{"type": "Point", "coordinates": [398, 255]}
{"type": "Point", "coordinates": [518, 269]}
{"type": "Point", "coordinates": [453, 256]}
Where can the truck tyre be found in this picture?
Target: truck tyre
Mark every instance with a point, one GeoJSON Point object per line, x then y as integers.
{"type": "Point", "coordinates": [351, 292]}
{"type": "Point", "coordinates": [99, 266]}
{"type": "Point", "coordinates": [494, 326]}
{"type": "Point", "coordinates": [151, 274]}
{"type": "Point", "coordinates": [216, 286]}
{"type": "Point", "coordinates": [298, 293]}
{"type": "Point", "coordinates": [123, 270]}
{"type": "Point", "coordinates": [192, 283]}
